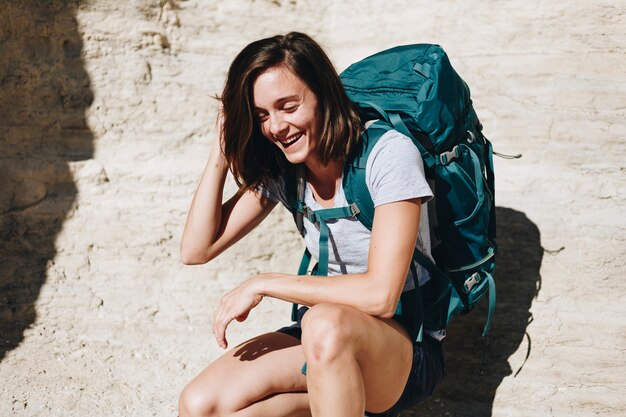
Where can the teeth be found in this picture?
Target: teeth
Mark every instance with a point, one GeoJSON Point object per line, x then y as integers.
{"type": "Point", "coordinates": [289, 142]}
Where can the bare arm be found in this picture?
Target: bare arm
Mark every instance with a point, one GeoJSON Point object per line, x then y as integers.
{"type": "Point", "coordinates": [213, 226]}
{"type": "Point", "coordinates": [375, 292]}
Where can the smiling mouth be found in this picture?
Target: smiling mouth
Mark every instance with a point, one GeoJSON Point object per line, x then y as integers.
{"type": "Point", "coordinates": [287, 142]}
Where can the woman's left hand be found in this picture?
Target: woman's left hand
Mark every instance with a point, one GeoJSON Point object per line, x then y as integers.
{"type": "Point", "coordinates": [234, 305]}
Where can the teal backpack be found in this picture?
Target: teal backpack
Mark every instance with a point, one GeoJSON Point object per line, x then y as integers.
{"type": "Point", "coordinates": [414, 90]}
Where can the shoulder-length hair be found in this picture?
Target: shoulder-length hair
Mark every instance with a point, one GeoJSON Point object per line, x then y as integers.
{"type": "Point", "coordinates": [252, 158]}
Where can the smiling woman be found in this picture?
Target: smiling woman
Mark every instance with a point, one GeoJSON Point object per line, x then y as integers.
{"type": "Point", "coordinates": [285, 111]}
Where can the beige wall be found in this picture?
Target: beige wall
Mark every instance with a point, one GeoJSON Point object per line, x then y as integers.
{"type": "Point", "coordinates": [106, 119]}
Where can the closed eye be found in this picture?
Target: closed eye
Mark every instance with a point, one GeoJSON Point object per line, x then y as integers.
{"type": "Point", "coordinates": [291, 108]}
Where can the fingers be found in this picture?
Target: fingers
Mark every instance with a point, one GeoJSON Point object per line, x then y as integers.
{"type": "Point", "coordinates": [220, 335]}
{"type": "Point", "coordinates": [220, 323]}
{"type": "Point", "coordinates": [234, 305]}
{"type": "Point", "coordinates": [219, 332]}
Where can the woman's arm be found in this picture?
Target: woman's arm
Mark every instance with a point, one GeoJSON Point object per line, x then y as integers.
{"type": "Point", "coordinates": [376, 292]}
{"type": "Point", "coordinates": [211, 226]}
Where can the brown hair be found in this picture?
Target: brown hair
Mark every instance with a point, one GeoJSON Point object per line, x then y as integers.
{"type": "Point", "coordinates": [252, 158]}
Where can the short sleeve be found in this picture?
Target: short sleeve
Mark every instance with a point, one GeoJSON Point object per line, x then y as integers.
{"type": "Point", "coordinates": [269, 192]}
{"type": "Point", "coordinates": [275, 191]}
{"type": "Point", "coordinates": [395, 171]}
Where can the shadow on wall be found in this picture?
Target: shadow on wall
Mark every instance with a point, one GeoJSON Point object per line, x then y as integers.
{"type": "Point", "coordinates": [477, 365]}
{"type": "Point", "coordinates": [44, 92]}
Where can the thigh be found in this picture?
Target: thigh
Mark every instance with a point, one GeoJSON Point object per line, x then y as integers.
{"type": "Point", "coordinates": [385, 362]}
{"type": "Point", "coordinates": [250, 372]}
{"type": "Point", "coordinates": [382, 348]}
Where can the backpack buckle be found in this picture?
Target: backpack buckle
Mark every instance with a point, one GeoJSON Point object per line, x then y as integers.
{"type": "Point", "coordinates": [446, 157]}
{"type": "Point", "coordinates": [354, 209]}
{"type": "Point", "coordinates": [473, 280]}
{"type": "Point", "coordinates": [308, 213]}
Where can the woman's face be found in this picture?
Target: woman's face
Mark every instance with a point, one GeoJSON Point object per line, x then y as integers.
{"type": "Point", "coordinates": [286, 110]}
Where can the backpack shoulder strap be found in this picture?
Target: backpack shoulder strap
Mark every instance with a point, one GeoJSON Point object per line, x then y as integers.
{"type": "Point", "coordinates": [294, 191]}
{"type": "Point", "coordinates": [300, 187]}
{"type": "Point", "coordinates": [354, 181]}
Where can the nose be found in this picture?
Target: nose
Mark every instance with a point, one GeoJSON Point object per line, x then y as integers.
{"type": "Point", "coordinates": [278, 126]}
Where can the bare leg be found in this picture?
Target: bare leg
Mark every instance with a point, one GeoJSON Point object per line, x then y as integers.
{"type": "Point", "coordinates": [293, 404]}
{"type": "Point", "coordinates": [355, 361]}
{"type": "Point", "coordinates": [249, 376]}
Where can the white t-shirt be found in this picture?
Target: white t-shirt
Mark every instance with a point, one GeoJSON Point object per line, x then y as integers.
{"type": "Point", "coordinates": [394, 172]}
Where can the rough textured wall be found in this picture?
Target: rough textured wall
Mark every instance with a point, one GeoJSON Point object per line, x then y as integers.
{"type": "Point", "coordinates": [44, 139]}
{"type": "Point", "coordinates": [106, 118]}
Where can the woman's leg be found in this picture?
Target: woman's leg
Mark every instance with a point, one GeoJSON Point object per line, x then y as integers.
{"type": "Point", "coordinates": [355, 362]}
{"type": "Point", "coordinates": [293, 404]}
{"type": "Point", "coordinates": [260, 377]}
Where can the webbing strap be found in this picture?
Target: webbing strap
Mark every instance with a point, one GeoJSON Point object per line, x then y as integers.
{"type": "Point", "coordinates": [429, 265]}
{"type": "Point", "coordinates": [322, 216]}
{"type": "Point", "coordinates": [491, 185]}
{"type": "Point", "coordinates": [300, 186]}
{"type": "Point", "coordinates": [304, 262]}
{"type": "Point", "coordinates": [455, 198]}
{"type": "Point", "coordinates": [302, 270]}
{"type": "Point", "coordinates": [413, 299]}
{"type": "Point", "coordinates": [489, 162]}
{"type": "Point", "coordinates": [492, 301]}
{"type": "Point", "coordinates": [322, 269]}
{"type": "Point", "coordinates": [395, 120]}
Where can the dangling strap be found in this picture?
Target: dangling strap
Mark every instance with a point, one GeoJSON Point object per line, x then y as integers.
{"type": "Point", "coordinates": [491, 185]}
{"type": "Point", "coordinates": [492, 301]}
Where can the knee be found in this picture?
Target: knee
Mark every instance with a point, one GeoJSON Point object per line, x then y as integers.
{"type": "Point", "coordinates": [194, 402]}
{"type": "Point", "coordinates": [327, 332]}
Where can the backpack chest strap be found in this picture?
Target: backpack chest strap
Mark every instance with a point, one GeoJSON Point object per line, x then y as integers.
{"type": "Point", "coordinates": [321, 217]}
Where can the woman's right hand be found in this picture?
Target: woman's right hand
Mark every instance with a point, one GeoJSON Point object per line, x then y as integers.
{"type": "Point", "coordinates": [213, 226]}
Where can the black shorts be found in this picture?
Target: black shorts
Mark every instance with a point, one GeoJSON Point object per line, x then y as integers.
{"type": "Point", "coordinates": [427, 369]}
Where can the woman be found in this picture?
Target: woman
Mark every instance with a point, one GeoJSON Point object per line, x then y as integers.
{"type": "Point", "coordinates": [284, 106]}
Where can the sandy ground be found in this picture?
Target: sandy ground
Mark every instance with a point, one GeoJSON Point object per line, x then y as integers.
{"type": "Point", "coordinates": [99, 317]}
